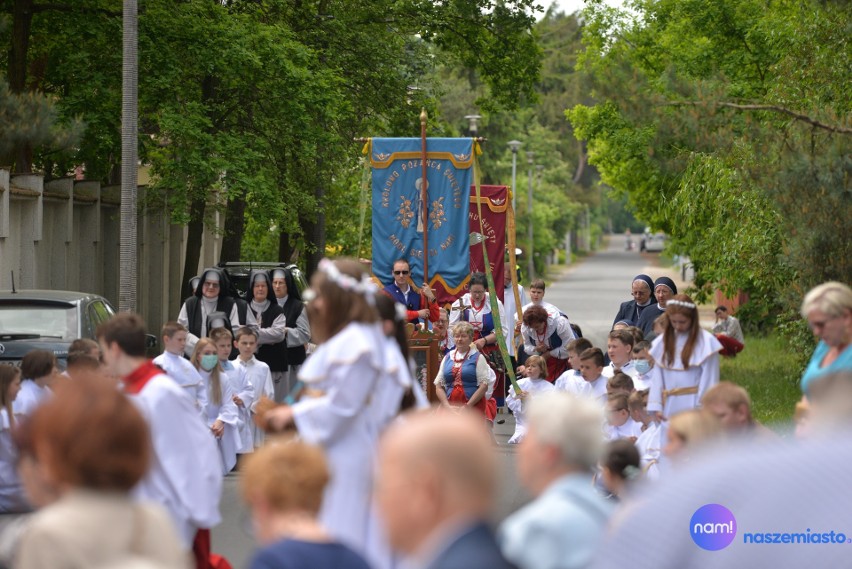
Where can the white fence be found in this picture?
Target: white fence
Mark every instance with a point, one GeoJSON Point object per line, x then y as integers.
{"type": "Point", "coordinates": [64, 235]}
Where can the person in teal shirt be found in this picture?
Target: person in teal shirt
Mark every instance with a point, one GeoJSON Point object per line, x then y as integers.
{"type": "Point", "coordinates": [828, 309]}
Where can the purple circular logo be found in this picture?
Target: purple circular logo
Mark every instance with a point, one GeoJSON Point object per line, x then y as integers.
{"type": "Point", "coordinates": [713, 527]}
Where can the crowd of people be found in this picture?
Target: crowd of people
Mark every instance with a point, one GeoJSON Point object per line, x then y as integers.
{"type": "Point", "coordinates": [343, 462]}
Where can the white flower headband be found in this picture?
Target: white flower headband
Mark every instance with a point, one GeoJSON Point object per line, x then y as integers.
{"type": "Point", "coordinates": [400, 312]}
{"type": "Point", "coordinates": [364, 287]}
{"type": "Point", "coordinates": [682, 303]}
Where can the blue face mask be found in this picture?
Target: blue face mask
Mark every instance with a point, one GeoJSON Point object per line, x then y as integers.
{"type": "Point", "coordinates": [642, 366]}
{"type": "Point", "coordinates": [209, 361]}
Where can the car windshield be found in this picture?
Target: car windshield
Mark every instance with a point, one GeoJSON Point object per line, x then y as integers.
{"type": "Point", "coordinates": [42, 321]}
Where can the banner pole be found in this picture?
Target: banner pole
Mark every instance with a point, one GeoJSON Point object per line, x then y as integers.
{"type": "Point", "coordinates": [513, 261]}
{"type": "Point", "coordinates": [492, 294]}
{"type": "Point", "coordinates": [424, 197]}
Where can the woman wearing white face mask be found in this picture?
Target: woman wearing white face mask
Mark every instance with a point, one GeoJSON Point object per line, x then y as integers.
{"type": "Point", "coordinates": [221, 413]}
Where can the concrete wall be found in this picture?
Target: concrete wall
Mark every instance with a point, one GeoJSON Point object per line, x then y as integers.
{"type": "Point", "coordinates": [64, 235]}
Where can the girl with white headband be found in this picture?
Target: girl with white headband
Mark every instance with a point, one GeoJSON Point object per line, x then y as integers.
{"type": "Point", "coordinates": [686, 361]}
{"type": "Point", "coordinates": [353, 388]}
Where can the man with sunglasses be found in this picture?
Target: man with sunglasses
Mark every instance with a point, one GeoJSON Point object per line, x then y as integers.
{"type": "Point", "coordinates": [418, 305]}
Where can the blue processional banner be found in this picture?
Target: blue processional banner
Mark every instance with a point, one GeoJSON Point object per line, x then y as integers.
{"type": "Point", "coordinates": [397, 172]}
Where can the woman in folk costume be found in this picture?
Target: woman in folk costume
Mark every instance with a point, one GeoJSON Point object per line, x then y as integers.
{"type": "Point", "coordinates": [686, 361]}
{"type": "Point", "coordinates": [474, 307]}
{"type": "Point", "coordinates": [547, 335]}
{"type": "Point", "coordinates": [297, 333]}
{"type": "Point", "coordinates": [346, 378]}
{"type": "Point", "coordinates": [221, 412]}
{"type": "Point", "coordinates": [464, 377]}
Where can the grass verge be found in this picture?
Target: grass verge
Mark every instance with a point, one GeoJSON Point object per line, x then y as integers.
{"type": "Point", "coordinates": [770, 374]}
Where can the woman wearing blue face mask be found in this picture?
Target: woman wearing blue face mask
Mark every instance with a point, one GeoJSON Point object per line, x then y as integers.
{"type": "Point", "coordinates": [221, 412]}
{"type": "Point", "coordinates": [642, 363]}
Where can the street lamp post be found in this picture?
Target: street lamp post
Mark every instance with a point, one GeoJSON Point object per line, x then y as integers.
{"type": "Point", "coordinates": [514, 145]}
{"type": "Point", "coordinates": [530, 261]}
{"type": "Point", "coordinates": [129, 156]}
{"type": "Point", "coordinates": [539, 168]}
{"type": "Point", "coordinates": [473, 120]}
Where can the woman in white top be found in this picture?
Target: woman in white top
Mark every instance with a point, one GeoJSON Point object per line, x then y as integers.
{"type": "Point", "coordinates": [221, 412]}
{"type": "Point", "coordinates": [686, 361]}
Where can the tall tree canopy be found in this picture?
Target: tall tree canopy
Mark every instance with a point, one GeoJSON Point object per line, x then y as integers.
{"type": "Point", "coordinates": [728, 125]}
{"type": "Point", "coordinates": [251, 106]}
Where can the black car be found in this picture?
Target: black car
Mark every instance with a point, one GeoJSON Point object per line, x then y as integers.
{"type": "Point", "coordinates": [238, 274]}
{"type": "Point", "coordinates": [47, 320]}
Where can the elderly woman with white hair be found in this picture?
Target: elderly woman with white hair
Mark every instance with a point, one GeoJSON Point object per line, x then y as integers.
{"type": "Point", "coordinates": [828, 309]}
{"type": "Point", "coordinates": [562, 526]}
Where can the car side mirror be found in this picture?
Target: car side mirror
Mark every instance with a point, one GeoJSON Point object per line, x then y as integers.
{"type": "Point", "coordinates": [150, 341]}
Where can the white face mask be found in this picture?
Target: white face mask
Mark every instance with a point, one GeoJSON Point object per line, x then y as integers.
{"type": "Point", "coordinates": [642, 366]}
{"type": "Point", "coordinates": [209, 361]}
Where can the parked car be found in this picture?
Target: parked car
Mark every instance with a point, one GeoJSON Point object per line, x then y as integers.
{"type": "Point", "coordinates": [655, 243]}
{"type": "Point", "coordinates": [47, 320]}
{"type": "Point", "coordinates": [238, 274]}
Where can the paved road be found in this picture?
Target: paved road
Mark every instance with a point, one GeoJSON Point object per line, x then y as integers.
{"type": "Point", "coordinates": [590, 292]}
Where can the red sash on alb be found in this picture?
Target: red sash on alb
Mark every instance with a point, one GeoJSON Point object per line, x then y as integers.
{"type": "Point", "coordinates": [139, 378]}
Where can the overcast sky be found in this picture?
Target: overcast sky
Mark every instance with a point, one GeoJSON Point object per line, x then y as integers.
{"type": "Point", "coordinates": [571, 6]}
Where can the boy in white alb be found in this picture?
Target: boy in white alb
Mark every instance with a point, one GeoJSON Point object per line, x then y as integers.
{"type": "Point", "coordinates": [243, 392]}
{"type": "Point", "coordinates": [254, 372]}
{"type": "Point", "coordinates": [620, 425]}
{"type": "Point", "coordinates": [537, 299]}
{"type": "Point", "coordinates": [177, 367]}
{"type": "Point", "coordinates": [591, 368]}
{"type": "Point", "coordinates": [619, 348]}
{"type": "Point", "coordinates": [642, 363]}
{"type": "Point", "coordinates": [571, 380]}
{"type": "Point", "coordinates": [531, 386]}
{"type": "Point", "coordinates": [184, 476]}
{"type": "Point", "coordinates": [650, 441]}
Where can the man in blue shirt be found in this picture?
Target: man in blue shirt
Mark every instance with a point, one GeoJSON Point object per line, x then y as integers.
{"type": "Point", "coordinates": [418, 305]}
{"type": "Point", "coordinates": [561, 528]}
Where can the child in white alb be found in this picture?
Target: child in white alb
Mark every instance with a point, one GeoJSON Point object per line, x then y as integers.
{"type": "Point", "coordinates": [650, 441]}
{"type": "Point", "coordinates": [172, 362]}
{"type": "Point", "coordinates": [571, 380]}
{"type": "Point", "coordinates": [642, 363]}
{"type": "Point", "coordinates": [254, 372]}
{"type": "Point", "coordinates": [591, 368]}
{"type": "Point", "coordinates": [535, 383]}
{"type": "Point", "coordinates": [221, 414]}
{"type": "Point", "coordinates": [619, 348]}
{"type": "Point", "coordinates": [242, 391]}
{"type": "Point", "coordinates": [619, 423]}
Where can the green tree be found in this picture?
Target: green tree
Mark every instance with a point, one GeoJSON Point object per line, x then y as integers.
{"type": "Point", "coordinates": [728, 126]}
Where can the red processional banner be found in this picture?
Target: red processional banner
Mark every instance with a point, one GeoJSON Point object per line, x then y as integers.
{"type": "Point", "coordinates": [495, 204]}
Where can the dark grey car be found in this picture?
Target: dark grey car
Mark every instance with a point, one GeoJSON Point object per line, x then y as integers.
{"type": "Point", "coordinates": [47, 320]}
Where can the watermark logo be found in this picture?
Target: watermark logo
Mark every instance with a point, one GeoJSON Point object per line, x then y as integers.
{"type": "Point", "coordinates": [713, 527]}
